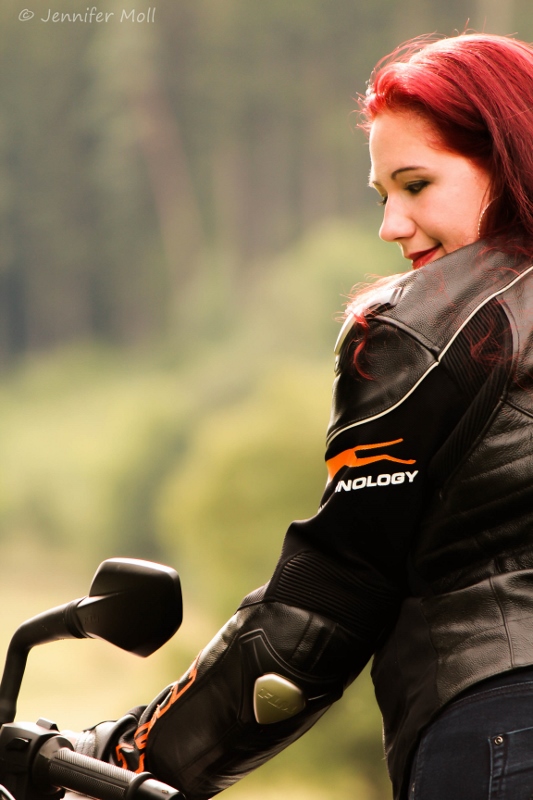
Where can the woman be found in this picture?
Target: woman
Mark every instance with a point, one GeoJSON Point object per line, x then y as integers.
{"type": "Point", "coordinates": [421, 553]}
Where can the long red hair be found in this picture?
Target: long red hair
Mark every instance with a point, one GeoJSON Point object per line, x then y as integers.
{"type": "Point", "coordinates": [477, 92]}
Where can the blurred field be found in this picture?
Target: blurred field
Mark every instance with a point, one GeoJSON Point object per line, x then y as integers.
{"type": "Point", "coordinates": [183, 213]}
{"type": "Point", "coordinates": [200, 461]}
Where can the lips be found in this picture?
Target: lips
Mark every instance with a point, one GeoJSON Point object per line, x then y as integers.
{"type": "Point", "coordinates": [422, 256]}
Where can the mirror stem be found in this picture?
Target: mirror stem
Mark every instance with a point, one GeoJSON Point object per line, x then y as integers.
{"type": "Point", "coordinates": [58, 623]}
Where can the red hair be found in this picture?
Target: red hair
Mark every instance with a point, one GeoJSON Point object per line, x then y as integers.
{"type": "Point", "coordinates": [476, 90]}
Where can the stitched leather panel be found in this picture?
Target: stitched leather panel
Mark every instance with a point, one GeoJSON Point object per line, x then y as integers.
{"type": "Point", "coordinates": [473, 553]}
{"type": "Point", "coordinates": [460, 638]}
{"type": "Point", "coordinates": [484, 511]}
{"type": "Point", "coordinates": [396, 363]}
{"type": "Point", "coordinates": [438, 299]}
{"type": "Point", "coordinates": [436, 303]}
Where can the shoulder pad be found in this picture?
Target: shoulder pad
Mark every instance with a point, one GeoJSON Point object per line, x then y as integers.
{"type": "Point", "coordinates": [396, 363]}
{"type": "Point", "coordinates": [438, 301]}
{"type": "Point", "coordinates": [383, 299]}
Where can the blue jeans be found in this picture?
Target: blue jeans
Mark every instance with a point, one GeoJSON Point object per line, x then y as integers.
{"type": "Point", "coordinates": [481, 746]}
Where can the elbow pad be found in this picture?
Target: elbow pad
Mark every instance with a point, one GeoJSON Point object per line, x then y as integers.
{"type": "Point", "coordinates": [265, 679]}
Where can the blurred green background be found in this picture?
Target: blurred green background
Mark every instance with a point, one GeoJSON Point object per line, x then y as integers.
{"type": "Point", "coordinates": [183, 212]}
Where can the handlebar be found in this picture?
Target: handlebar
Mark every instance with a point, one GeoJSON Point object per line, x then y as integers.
{"type": "Point", "coordinates": [133, 604]}
{"type": "Point", "coordinates": [38, 763]}
{"type": "Point", "coordinates": [95, 778]}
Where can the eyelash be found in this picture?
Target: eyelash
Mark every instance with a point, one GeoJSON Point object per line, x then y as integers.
{"type": "Point", "coordinates": [413, 188]}
{"type": "Point", "coordinates": [416, 187]}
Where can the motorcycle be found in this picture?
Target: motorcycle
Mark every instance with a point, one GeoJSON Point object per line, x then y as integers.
{"type": "Point", "coordinates": [133, 604]}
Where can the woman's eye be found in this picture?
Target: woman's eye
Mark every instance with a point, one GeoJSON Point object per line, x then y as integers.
{"type": "Point", "coordinates": [382, 202]}
{"type": "Point", "coordinates": [416, 187]}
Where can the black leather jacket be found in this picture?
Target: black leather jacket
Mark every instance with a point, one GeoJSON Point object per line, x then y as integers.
{"type": "Point", "coordinates": [469, 610]}
{"type": "Point", "coordinates": [420, 553]}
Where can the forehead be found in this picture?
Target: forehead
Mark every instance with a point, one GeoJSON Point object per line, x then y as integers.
{"type": "Point", "coordinates": [400, 139]}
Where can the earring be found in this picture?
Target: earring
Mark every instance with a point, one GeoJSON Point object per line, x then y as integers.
{"type": "Point", "coordinates": [483, 214]}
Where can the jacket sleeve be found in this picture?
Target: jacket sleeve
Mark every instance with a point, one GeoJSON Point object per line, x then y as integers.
{"type": "Point", "coordinates": [295, 644]}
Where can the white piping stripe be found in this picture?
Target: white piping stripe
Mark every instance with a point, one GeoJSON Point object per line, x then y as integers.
{"type": "Point", "coordinates": [487, 300]}
{"type": "Point", "coordinates": [387, 410]}
{"type": "Point", "coordinates": [435, 364]}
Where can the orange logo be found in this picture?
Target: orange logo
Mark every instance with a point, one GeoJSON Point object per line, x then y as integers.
{"type": "Point", "coordinates": [349, 458]}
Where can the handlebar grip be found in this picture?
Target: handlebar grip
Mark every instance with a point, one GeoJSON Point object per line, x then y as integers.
{"type": "Point", "coordinates": [104, 781]}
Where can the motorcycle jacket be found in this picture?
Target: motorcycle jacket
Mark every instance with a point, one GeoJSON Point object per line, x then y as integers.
{"type": "Point", "coordinates": [419, 554]}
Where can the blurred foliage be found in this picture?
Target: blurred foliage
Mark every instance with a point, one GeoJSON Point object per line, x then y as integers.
{"type": "Point", "coordinates": [130, 151]}
{"type": "Point", "coordinates": [183, 214]}
{"type": "Point", "coordinates": [74, 428]}
{"type": "Point", "coordinates": [95, 442]}
{"type": "Point", "coordinates": [200, 459]}
{"type": "Point", "coordinates": [224, 510]}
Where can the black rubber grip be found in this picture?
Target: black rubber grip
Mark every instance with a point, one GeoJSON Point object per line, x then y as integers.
{"type": "Point", "coordinates": [105, 781]}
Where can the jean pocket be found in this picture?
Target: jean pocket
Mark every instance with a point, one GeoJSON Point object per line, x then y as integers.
{"type": "Point", "coordinates": [511, 765]}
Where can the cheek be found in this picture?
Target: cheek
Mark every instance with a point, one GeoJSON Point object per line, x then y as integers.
{"type": "Point", "coordinates": [460, 217]}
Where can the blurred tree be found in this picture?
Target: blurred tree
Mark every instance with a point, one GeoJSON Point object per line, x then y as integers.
{"type": "Point", "coordinates": [139, 162]}
{"type": "Point", "coordinates": [125, 150]}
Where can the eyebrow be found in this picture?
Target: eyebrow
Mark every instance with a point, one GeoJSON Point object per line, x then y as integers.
{"type": "Point", "coordinates": [397, 172]}
{"type": "Point", "coordinates": [403, 169]}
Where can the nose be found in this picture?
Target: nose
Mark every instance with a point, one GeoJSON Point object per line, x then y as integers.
{"type": "Point", "coordinates": [397, 223]}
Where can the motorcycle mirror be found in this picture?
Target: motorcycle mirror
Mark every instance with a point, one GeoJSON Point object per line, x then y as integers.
{"type": "Point", "coordinates": [133, 604]}
{"type": "Point", "coordinates": [136, 605]}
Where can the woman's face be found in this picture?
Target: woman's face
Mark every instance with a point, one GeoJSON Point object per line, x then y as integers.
{"type": "Point", "coordinates": [433, 198]}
